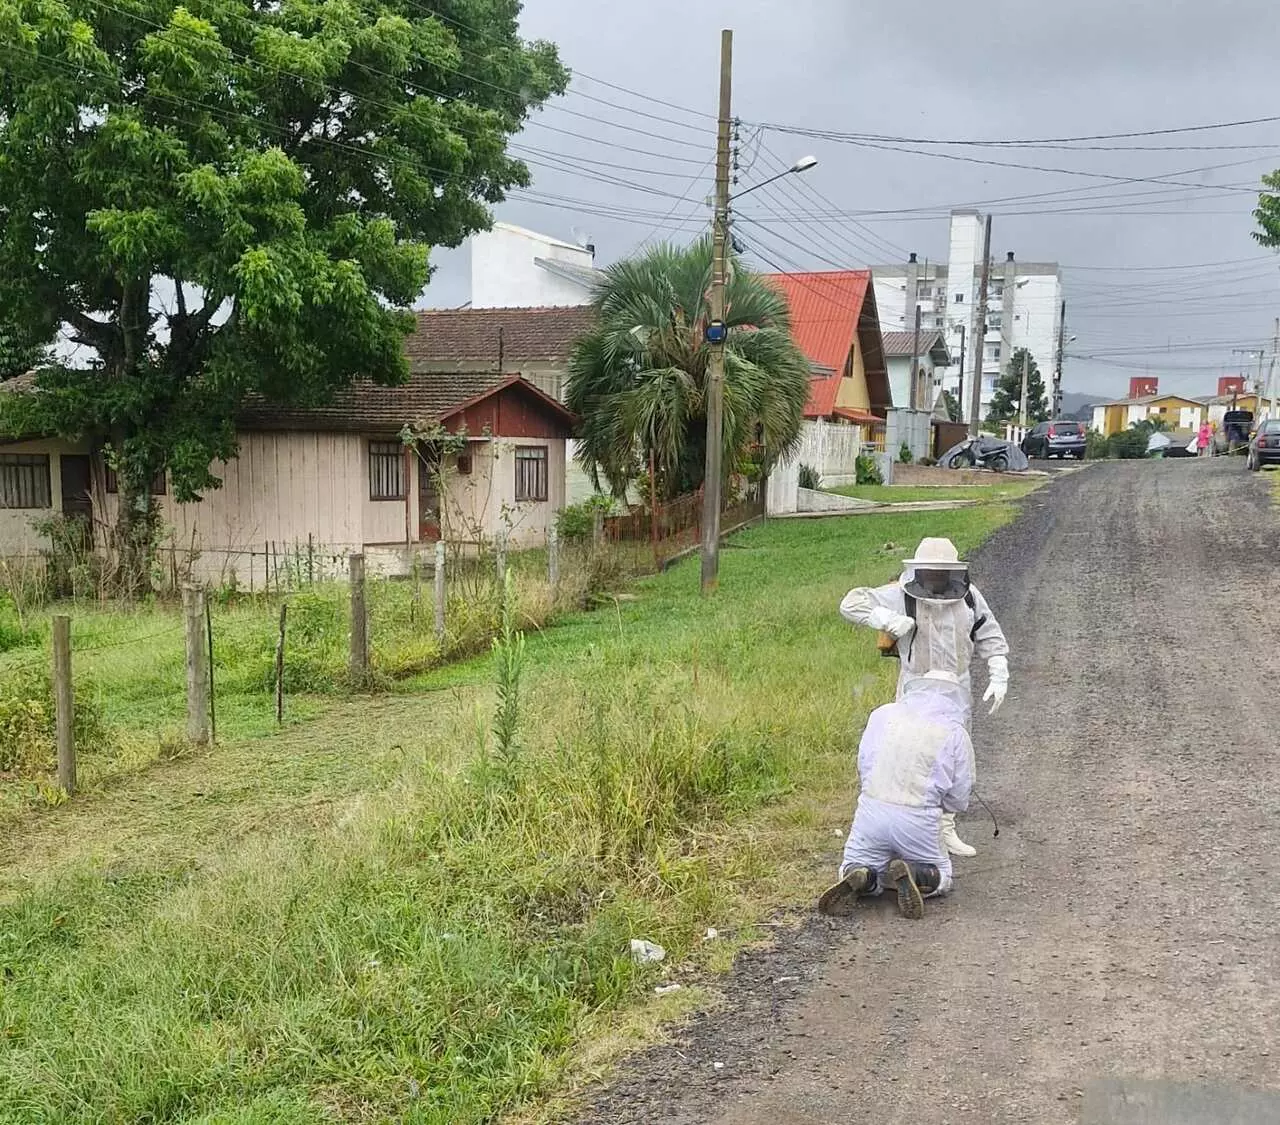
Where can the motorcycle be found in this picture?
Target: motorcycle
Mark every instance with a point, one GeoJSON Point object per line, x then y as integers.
{"type": "Point", "coordinates": [986, 453]}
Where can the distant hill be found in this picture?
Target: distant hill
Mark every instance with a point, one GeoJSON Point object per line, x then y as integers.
{"type": "Point", "coordinates": [1078, 406]}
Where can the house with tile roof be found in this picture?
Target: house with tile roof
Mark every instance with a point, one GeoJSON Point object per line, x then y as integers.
{"type": "Point", "coordinates": [932, 358]}
{"type": "Point", "coordinates": [317, 483]}
{"type": "Point", "coordinates": [835, 324]}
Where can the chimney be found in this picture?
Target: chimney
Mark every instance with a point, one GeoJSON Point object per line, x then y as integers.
{"type": "Point", "coordinates": [1140, 386]}
{"type": "Point", "coordinates": [1009, 257]}
{"type": "Point", "coordinates": [913, 257]}
{"type": "Point", "coordinates": [590, 248]}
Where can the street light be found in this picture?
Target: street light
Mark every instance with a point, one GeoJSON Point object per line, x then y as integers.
{"type": "Point", "coordinates": [801, 165]}
{"type": "Point", "coordinates": [716, 332]}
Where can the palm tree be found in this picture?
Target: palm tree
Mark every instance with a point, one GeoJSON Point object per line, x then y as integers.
{"type": "Point", "coordinates": [638, 379]}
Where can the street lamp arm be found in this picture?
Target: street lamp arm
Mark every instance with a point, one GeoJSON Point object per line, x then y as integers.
{"type": "Point", "coordinates": [801, 165]}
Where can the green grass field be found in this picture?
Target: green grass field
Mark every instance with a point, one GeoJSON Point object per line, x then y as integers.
{"type": "Point", "coordinates": [909, 494]}
{"type": "Point", "coordinates": [387, 913]}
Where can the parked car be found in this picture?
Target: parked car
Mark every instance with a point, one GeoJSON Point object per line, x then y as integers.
{"type": "Point", "coordinates": [1064, 438]}
{"type": "Point", "coordinates": [1264, 448]}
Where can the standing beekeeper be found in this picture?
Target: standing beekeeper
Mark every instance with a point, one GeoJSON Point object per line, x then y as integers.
{"type": "Point", "coordinates": [937, 621]}
{"type": "Point", "coordinates": [916, 765]}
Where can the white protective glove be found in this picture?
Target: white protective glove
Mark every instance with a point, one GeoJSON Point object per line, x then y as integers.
{"type": "Point", "coordinates": [897, 625]}
{"type": "Point", "coordinates": [998, 688]}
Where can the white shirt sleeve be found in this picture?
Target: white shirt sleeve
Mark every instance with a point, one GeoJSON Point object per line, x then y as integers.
{"type": "Point", "coordinates": [962, 767]}
{"type": "Point", "coordinates": [989, 639]}
{"type": "Point", "coordinates": [872, 606]}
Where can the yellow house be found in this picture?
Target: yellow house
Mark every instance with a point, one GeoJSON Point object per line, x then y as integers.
{"type": "Point", "coordinates": [1178, 412]}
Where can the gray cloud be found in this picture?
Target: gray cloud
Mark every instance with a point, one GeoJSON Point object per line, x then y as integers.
{"type": "Point", "coordinates": [998, 68]}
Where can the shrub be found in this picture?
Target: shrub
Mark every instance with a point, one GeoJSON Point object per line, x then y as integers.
{"type": "Point", "coordinates": [28, 724]}
{"type": "Point", "coordinates": [1096, 446]}
{"type": "Point", "coordinates": [575, 522]}
{"type": "Point", "coordinates": [904, 454]}
{"type": "Point", "coordinates": [809, 477]}
{"type": "Point", "coordinates": [867, 469]}
{"type": "Point", "coordinates": [1129, 445]}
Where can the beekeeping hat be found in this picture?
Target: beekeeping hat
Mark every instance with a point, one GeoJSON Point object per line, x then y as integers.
{"type": "Point", "coordinates": [948, 580]}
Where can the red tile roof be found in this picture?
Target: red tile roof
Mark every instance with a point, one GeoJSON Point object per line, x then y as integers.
{"type": "Point", "coordinates": [471, 339]}
{"type": "Point", "coordinates": [863, 417]}
{"type": "Point", "coordinates": [828, 310]}
{"type": "Point", "coordinates": [426, 398]}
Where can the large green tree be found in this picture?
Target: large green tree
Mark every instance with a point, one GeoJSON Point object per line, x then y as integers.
{"type": "Point", "coordinates": [227, 198]}
{"type": "Point", "coordinates": [1267, 213]}
{"type": "Point", "coordinates": [1006, 403]}
{"type": "Point", "coordinates": [638, 380]}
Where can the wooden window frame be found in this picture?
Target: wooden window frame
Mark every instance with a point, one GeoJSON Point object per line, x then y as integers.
{"type": "Point", "coordinates": [390, 456]}
{"type": "Point", "coordinates": [16, 463]}
{"type": "Point", "coordinates": [528, 492]}
{"type": "Point", "coordinates": [159, 486]}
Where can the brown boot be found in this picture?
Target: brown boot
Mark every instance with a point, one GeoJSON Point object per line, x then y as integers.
{"type": "Point", "coordinates": [838, 901]}
{"type": "Point", "coordinates": [913, 881]}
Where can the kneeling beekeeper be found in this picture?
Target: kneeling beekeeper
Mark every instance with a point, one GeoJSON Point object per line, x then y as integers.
{"type": "Point", "coordinates": [935, 620]}
{"type": "Point", "coordinates": [916, 765]}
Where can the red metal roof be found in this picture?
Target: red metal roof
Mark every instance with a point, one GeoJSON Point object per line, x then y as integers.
{"type": "Point", "coordinates": [825, 311]}
{"type": "Point", "coordinates": [850, 414]}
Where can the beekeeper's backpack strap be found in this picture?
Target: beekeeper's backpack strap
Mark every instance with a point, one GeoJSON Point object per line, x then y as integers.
{"type": "Point", "coordinates": [978, 622]}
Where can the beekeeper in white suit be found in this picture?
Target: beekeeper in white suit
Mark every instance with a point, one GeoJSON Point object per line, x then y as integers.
{"type": "Point", "coordinates": [941, 623]}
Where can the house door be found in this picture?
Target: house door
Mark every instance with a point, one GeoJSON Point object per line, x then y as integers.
{"type": "Point", "coordinates": [429, 496]}
{"type": "Point", "coordinates": [77, 497]}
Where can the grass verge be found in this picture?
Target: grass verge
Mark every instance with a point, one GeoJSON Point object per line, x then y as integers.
{"type": "Point", "coordinates": [431, 923]}
{"type": "Point", "coordinates": [909, 494]}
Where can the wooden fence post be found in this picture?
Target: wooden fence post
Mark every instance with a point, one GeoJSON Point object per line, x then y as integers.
{"type": "Point", "coordinates": [284, 613]}
{"type": "Point", "coordinates": [359, 623]}
{"type": "Point", "coordinates": [553, 557]}
{"type": "Point", "coordinates": [439, 590]}
{"type": "Point", "coordinates": [213, 695]}
{"type": "Point", "coordinates": [197, 673]}
{"type": "Point", "coordinates": [64, 703]}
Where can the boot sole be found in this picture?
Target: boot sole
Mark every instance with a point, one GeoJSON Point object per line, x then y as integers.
{"type": "Point", "coordinates": [910, 900]}
{"type": "Point", "coordinates": [840, 900]}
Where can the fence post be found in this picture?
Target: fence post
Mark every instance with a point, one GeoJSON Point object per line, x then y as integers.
{"type": "Point", "coordinates": [553, 556]}
{"type": "Point", "coordinates": [197, 673]}
{"type": "Point", "coordinates": [213, 695]}
{"type": "Point", "coordinates": [439, 590]}
{"type": "Point", "coordinates": [64, 703]}
{"type": "Point", "coordinates": [597, 527]}
{"type": "Point", "coordinates": [284, 613]}
{"type": "Point", "coordinates": [359, 622]}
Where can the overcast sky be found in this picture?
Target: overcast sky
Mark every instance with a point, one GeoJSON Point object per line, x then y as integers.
{"type": "Point", "coordinates": [992, 69]}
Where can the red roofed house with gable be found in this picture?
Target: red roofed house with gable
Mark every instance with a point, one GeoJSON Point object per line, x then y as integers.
{"type": "Point", "coordinates": [835, 323]}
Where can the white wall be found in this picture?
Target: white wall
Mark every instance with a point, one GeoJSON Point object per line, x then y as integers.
{"type": "Point", "coordinates": [830, 449]}
{"type": "Point", "coordinates": [503, 273]}
{"type": "Point", "coordinates": [484, 503]}
{"type": "Point", "coordinates": [18, 535]}
{"type": "Point", "coordinates": [915, 427]}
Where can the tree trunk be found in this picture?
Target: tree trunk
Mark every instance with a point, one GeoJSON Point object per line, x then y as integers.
{"type": "Point", "coordinates": [135, 539]}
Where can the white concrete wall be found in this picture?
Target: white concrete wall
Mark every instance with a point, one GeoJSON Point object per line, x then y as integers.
{"type": "Point", "coordinates": [503, 273]}
{"type": "Point", "coordinates": [483, 504]}
{"type": "Point", "coordinates": [830, 449]}
{"type": "Point", "coordinates": [912, 426]}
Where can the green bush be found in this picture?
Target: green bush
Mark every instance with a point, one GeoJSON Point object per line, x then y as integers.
{"type": "Point", "coordinates": [1129, 445]}
{"type": "Point", "coordinates": [904, 454]}
{"type": "Point", "coordinates": [809, 477]}
{"type": "Point", "coordinates": [1097, 446]}
{"type": "Point", "coordinates": [868, 469]}
{"type": "Point", "coordinates": [576, 521]}
{"type": "Point", "coordinates": [28, 724]}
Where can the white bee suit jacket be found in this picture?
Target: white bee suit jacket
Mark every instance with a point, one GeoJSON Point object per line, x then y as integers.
{"type": "Point", "coordinates": [944, 639]}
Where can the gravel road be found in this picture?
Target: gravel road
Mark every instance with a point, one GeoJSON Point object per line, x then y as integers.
{"type": "Point", "coordinates": [1123, 924]}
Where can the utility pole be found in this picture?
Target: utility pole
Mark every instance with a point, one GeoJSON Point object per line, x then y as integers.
{"type": "Point", "coordinates": [1022, 400]}
{"type": "Point", "coordinates": [1271, 374]}
{"type": "Point", "coordinates": [715, 332]}
{"type": "Point", "coordinates": [914, 389]}
{"type": "Point", "coordinates": [960, 385]}
{"type": "Point", "coordinates": [980, 344]}
{"type": "Point", "coordinates": [1057, 367]}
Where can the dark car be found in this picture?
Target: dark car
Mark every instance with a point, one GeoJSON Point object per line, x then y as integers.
{"type": "Point", "coordinates": [1055, 439]}
{"type": "Point", "coordinates": [1264, 449]}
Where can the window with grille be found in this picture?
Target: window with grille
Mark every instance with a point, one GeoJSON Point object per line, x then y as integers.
{"type": "Point", "coordinates": [386, 470]}
{"type": "Point", "coordinates": [24, 481]}
{"type": "Point", "coordinates": [531, 472]}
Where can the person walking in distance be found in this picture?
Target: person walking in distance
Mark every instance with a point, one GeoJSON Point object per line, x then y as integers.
{"type": "Point", "coordinates": [915, 760]}
{"type": "Point", "coordinates": [937, 620]}
{"type": "Point", "coordinates": [1204, 440]}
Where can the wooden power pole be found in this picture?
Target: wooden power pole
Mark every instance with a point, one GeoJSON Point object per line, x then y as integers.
{"type": "Point", "coordinates": [713, 482]}
{"type": "Point", "coordinates": [979, 345]}
{"type": "Point", "coordinates": [1022, 400]}
{"type": "Point", "coordinates": [1057, 367]}
{"type": "Point", "coordinates": [914, 393]}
